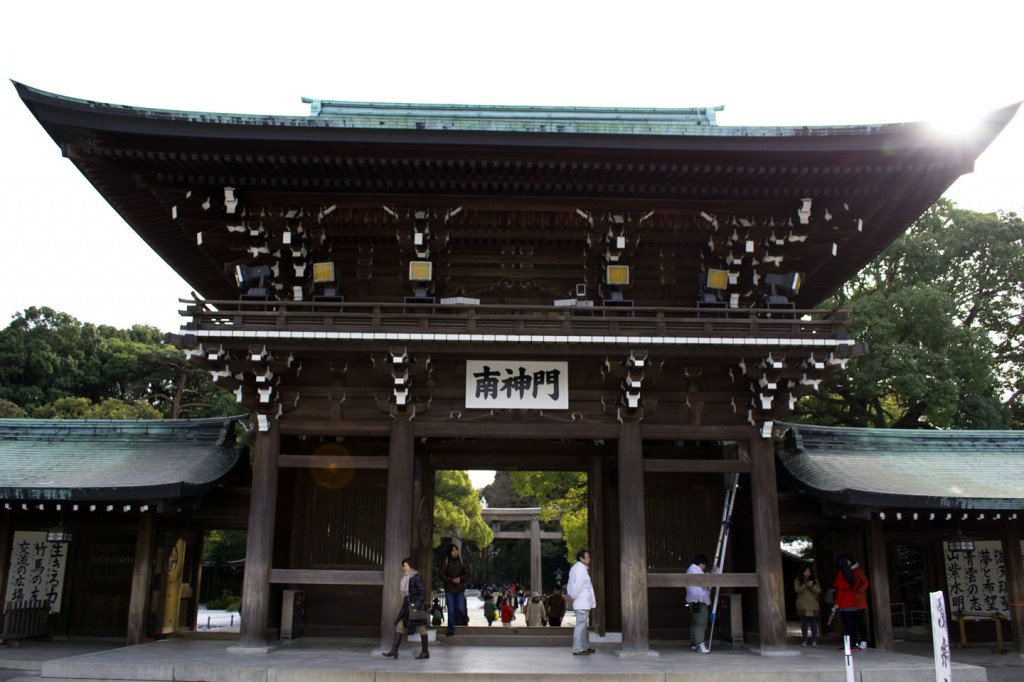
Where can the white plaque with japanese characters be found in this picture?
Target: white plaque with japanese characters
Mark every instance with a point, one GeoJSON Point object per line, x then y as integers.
{"type": "Point", "coordinates": [37, 569]}
{"type": "Point", "coordinates": [515, 384]}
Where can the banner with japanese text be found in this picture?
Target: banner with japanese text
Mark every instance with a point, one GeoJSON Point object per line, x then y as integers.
{"type": "Point", "coordinates": [977, 580]}
{"type": "Point", "coordinates": [517, 384]}
{"type": "Point", "coordinates": [940, 638]}
{"type": "Point", "coordinates": [37, 569]}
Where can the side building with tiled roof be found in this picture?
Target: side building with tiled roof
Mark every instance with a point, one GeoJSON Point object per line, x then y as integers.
{"type": "Point", "coordinates": [102, 521]}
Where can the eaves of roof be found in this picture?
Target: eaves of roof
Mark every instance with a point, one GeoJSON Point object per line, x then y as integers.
{"type": "Point", "coordinates": [893, 468]}
{"type": "Point", "coordinates": [111, 460]}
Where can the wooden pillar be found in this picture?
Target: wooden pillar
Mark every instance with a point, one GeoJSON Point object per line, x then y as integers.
{"type": "Point", "coordinates": [595, 522]}
{"type": "Point", "coordinates": [1014, 581]}
{"type": "Point", "coordinates": [536, 580]}
{"type": "Point", "coordinates": [142, 577]}
{"type": "Point", "coordinates": [632, 540]}
{"type": "Point", "coordinates": [771, 609]}
{"type": "Point", "coordinates": [5, 550]}
{"type": "Point", "coordinates": [398, 529]}
{"type": "Point", "coordinates": [423, 521]}
{"type": "Point", "coordinates": [878, 577]}
{"type": "Point", "coordinates": [259, 547]}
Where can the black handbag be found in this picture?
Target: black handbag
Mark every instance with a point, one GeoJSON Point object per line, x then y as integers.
{"type": "Point", "coordinates": [417, 615]}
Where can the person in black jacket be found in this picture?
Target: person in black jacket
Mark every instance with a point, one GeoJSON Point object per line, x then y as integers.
{"type": "Point", "coordinates": [455, 576]}
{"type": "Point", "coordinates": [414, 594]}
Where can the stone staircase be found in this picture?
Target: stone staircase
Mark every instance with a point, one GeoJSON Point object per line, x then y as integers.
{"type": "Point", "coordinates": [496, 635]}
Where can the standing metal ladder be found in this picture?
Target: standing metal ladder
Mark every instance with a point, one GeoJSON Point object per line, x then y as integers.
{"type": "Point", "coordinates": [732, 484]}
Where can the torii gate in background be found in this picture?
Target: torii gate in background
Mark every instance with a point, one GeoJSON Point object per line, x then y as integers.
{"type": "Point", "coordinates": [497, 516]}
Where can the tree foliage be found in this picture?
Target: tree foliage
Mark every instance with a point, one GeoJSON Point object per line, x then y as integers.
{"type": "Point", "coordinates": [48, 357]}
{"type": "Point", "coordinates": [106, 408]}
{"type": "Point", "coordinates": [223, 546]}
{"type": "Point", "coordinates": [457, 510]}
{"type": "Point", "coordinates": [501, 493]}
{"type": "Point", "coordinates": [562, 495]}
{"type": "Point", "coordinates": [941, 312]}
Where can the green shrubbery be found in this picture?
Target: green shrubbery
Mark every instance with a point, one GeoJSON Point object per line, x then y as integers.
{"type": "Point", "coordinates": [225, 602]}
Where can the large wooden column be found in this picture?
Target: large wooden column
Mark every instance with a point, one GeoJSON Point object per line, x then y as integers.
{"type": "Point", "coordinates": [1014, 581]}
{"type": "Point", "coordinates": [632, 541]}
{"type": "Point", "coordinates": [142, 578]}
{"type": "Point", "coordinates": [259, 546]}
{"type": "Point", "coordinates": [596, 533]}
{"type": "Point", "coordinates": [398, 529]}
{"type": "Point", "coordinates": [5, 549]}
{"type": "Point", "coordinates": [878, 578]}
{"type": "Point", "coordinates": [771, 608]}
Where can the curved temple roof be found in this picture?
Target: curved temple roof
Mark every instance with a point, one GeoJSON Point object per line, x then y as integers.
{"type": "Point", "coordinates": [676, 163]}
{"type": "Point", "coordinates": [909, 469]}
{"type": "Point", "coordinates": [107, 460]}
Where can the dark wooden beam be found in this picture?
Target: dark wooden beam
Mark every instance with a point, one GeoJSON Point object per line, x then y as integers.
{"type": "Point", "coordinates": [330, 461]}
{"type": "Point", "coordinates": [324, 577]}
{"type": "Point", "coordinates": [683, 580]}
{"type": "Point", "coordinates": [697, 466]}
{"type": "Point", "coordinates": [1014, 580]}
{"type": "Point", "coordinates": [632, 540]}
{"type": "Point", "coordinates": [528, 430]}
{"type": "Point", "coordinates": [398, 538]}
{"type": "Point", "coordinates": [771, 609]}
{"type": "Point", "coordinates": [878, 567]}
{"type": "Point", "coordinates": [142, 578]}
{"type": "Point", "coordinates": [260, 544]}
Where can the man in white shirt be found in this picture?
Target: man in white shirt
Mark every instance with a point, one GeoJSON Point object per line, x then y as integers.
{"type": "Point", "coordinates": [581, 590]}
{"type": "Point", "coordinates": [699, 600]}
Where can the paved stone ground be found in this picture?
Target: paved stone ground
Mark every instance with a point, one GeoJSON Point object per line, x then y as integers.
{"type": "Point", "coordinates": [330, 660]}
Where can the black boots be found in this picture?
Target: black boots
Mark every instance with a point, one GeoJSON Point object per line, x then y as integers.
{"type": "Point", "coordinates": [424, 653]}
{"type": "Point", "coordinates": [394, 647]}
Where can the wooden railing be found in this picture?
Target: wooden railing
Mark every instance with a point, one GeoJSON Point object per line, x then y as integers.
{"type": "Point", "coordinates": [513, 319]}
{"type": "Point", "coordinates": [24, 619]}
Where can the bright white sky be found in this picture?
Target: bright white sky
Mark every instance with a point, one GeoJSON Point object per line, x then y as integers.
{"type": "Point", "coordinates": [787, 63]}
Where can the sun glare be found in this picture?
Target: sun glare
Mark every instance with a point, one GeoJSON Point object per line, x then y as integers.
{"type": "Point", "coordinates": [957, 125]}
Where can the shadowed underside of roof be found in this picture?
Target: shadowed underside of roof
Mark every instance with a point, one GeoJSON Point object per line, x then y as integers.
{"type": "Point", "coordinates": [534, 165]}
{"type": "Point", "coordinates": [902, 468]}
{"type": "Point", "coordinates": [83, 460]}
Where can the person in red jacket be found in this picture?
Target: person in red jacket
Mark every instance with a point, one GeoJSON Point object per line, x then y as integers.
{"type": "Point", "coordinates": [861, 588]}
{"type": "Point", "coordinates": [847, 600]}
{"type": "Point", "coordinates": [507, 614]}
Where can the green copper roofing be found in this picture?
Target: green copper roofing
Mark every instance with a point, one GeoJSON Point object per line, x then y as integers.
{"type": "Point", "coordinates": [517, 119]}
{"type": "Point", "coordinates": [57, 460]}
{"type": "Point", "coordinates": [903, 468]}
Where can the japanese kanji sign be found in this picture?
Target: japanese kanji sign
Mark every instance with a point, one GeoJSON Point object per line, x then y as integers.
{"type": "Point", "coordinates": [524, 385]}
{"type": "Point", "coordinates": [977, 580]}
{"type": "Point", "coordinates": [37, 569]}
{"type": "Point", "coordinates": [940, 638]}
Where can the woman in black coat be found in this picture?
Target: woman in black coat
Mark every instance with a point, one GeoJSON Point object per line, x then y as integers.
{"type": "Point", "coordinates": [414, 593]}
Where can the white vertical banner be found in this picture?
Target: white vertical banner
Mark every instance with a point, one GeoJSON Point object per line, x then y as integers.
{"type": "Point", "coordinates": [37, 569]}
{"type": "Point", "coordinates": [940, 638]}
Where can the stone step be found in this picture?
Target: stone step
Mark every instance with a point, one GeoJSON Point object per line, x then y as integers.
{"type": "Point", "coordinates": [502, 636]}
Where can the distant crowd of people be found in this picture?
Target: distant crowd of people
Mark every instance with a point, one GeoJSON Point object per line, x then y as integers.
{"type": "Point", "coordinates": [539, 610]}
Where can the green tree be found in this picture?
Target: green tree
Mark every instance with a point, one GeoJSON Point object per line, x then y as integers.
{"type": "Point", "coordinates": [106, 408]}
{"type": "Point", "coordinates": [47, 355]}
{"type": "Point", "coordinates": [562, 495]}
{"type": "Point", "coordinates": [457, 510]}
{"type": "Point", "coordinates": [941, 312]}
{"type": "Point", "coordinates": [9, 410]}
{"type": "Point", "coordinates": [221, 547]}
{"type": "Point", "coordinates": [501, 493]}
